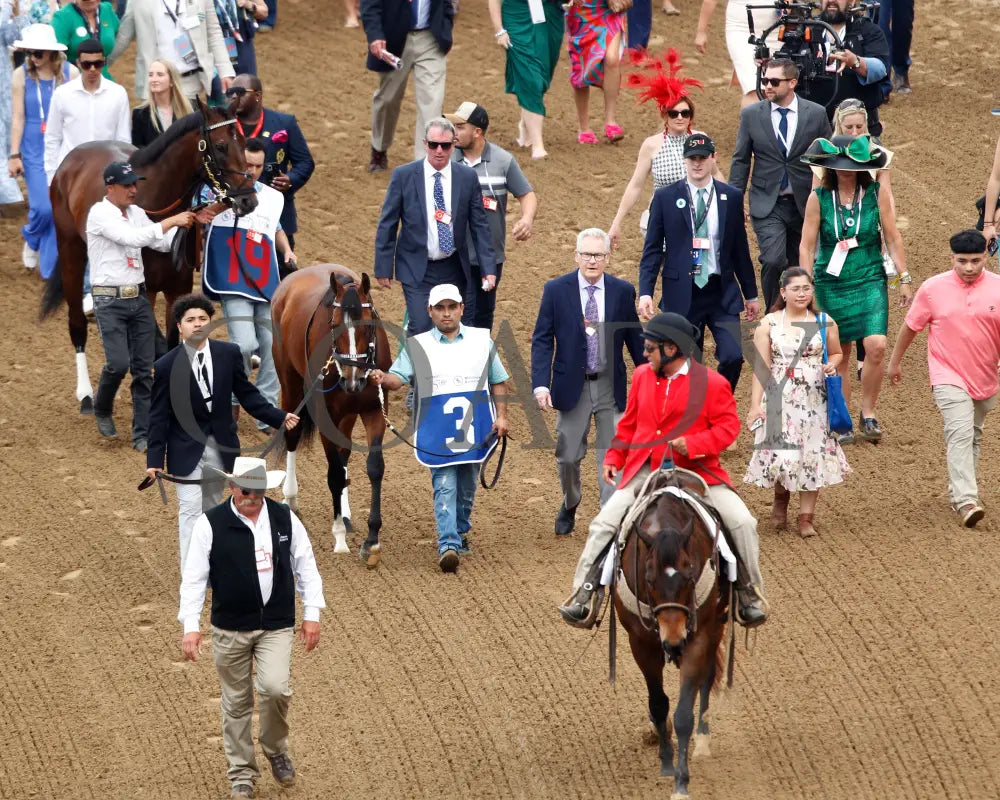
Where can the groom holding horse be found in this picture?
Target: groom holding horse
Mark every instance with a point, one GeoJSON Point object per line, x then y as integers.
{"type": "Point", "coordinates": [678, 409]}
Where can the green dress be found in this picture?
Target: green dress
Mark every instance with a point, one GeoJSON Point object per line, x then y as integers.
{"type": "Point", "coordinates": [71, 30]}
{"type": "Point", "coordinates": [857, 299]}
{"type": "Point", "coordinates": [534, 51]}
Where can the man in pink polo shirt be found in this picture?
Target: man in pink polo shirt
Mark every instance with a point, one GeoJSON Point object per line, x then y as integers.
{"type": "Point", "coordinates": [962, 307]}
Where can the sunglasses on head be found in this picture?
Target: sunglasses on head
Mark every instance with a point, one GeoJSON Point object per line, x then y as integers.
{"type": "Point", "coordinates": [439, 145]}
{"type": "Point", "coordinates": [92, 64]}
{"type": "Point", "coordinates": [684, 113]}
{"type": "Point", "coordinates": [235, 91]}
{"type": "Point", "coordinates": [775, 82]}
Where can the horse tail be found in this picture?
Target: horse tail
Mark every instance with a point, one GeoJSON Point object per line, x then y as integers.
{"type": "Point", "coordinates": [52, 297]}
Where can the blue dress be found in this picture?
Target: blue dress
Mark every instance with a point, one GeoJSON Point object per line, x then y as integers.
{"type": "Point", "coordinates": [40, 232]}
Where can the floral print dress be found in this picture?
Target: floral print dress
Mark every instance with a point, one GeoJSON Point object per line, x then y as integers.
{"type": "Point", "coordinates": [802, 456]}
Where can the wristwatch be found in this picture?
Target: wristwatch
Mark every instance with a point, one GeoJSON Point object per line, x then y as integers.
{"type": "Point", "coordinates": [905, 277]}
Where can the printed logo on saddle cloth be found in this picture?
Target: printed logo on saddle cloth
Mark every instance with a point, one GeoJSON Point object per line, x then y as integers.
{"type": "Point", "coordinates": [252, 243]}
{"type": "Point", "coordinates": [454, 411]}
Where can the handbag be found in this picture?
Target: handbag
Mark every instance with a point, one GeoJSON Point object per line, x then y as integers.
{"type": "Point", "coordinates": [618, 6]}
{"type": "Point", "coordinates": [838, 417]}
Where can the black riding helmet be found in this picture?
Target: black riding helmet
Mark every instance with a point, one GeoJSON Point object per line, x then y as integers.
{"type": "Point", "coordinates": [669, 327]}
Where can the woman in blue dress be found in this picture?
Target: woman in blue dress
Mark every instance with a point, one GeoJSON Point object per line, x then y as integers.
{"type": "Point", "coordinates": [12, 22]}
{"type": "Point", "coordinates": [45, 67]}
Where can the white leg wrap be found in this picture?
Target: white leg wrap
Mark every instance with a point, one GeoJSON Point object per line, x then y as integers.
{"type": "Point", "coordinates": [83, 386]}
{"type": "Point", "coordinates": [290, 488]}
{"type": "Point", "coordinates": [345, 507]}
{"type": "Point", "coordinates": [340, 536]}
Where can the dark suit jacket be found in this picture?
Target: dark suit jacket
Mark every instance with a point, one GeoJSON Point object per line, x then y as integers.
{"type": "Point", "coordinates": [673, 227]}
{"type": "Point", "coordinates": [559, 343]}
{"type": "Point", "coordinates": [866, 39]}
{"type": "Point", "coordinates": [389, 20]}
{"type": "Point", "coordinates": [292, 156]}
{"type": "Point", "coordinates": [756, 138]}
{"type": "Point", "coordinates": [143, 130]}
{"type": "Point", "coordinates": [401, 237]}
{"type": "Point", "coordinates": [176, 397]}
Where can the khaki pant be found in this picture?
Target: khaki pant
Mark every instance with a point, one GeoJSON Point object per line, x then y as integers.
{"type": "Point", "coordinates": [963, 431]}
{"type": "Point", "coordinates": [424, 58]}
{"type": "Point", "coordinates": [735, 515]}
{"type": "Point", "coordinates": [234, 653]}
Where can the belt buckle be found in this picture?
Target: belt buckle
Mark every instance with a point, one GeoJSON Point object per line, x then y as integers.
{"type": "Point", "coordinates": [128, 292]}
{"type": "Point", "coordinates": [103, 291]}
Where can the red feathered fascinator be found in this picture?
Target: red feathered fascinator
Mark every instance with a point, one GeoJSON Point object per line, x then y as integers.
{"type": "Point", "coordinates": [656, 78]}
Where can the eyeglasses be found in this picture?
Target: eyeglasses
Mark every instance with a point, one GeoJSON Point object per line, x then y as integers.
{"type": "Point", "coordinates": [799, 289]}
{"type": "Point", "coordinates": [592, 256]}
{"type": "Point", "coordinates": [92, 64]}
{"type": "Point", "coordinates": [438, 145]}
{"type": "Point", "coordinates": [774, 81]}
{"type": "Point", "coordinates": [684, 113]}
{"type": "Point", "coordinates": [236, 91]}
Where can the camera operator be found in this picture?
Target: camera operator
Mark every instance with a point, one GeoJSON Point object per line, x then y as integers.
{"type": "Point", "coordinates": [862, 64]}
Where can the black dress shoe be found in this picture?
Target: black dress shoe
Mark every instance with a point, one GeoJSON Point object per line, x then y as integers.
{"type": "Point", "coordinates": [106, 427]}
{"type": "Point", "coordinates": [379, 161]}
{"type": "Point", "coordinates": [141, 445]}
{"type": "Point", "coordinates": [751, 616]}
{"type": "Point", "coordinates": [565, 520]}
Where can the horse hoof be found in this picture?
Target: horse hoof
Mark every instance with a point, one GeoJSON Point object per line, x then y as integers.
{"type": "Point", "coordinates": [340, 543]}
{"type": "Point", "coordinates": [87, 406]}
{"type": "Point", "coordinates": [293, 503]}
{"type": "Point", "coordinates": [702, 745]}
{"type": "Point", "coordinates": [370, 556]}
{"type": "Point", "coordinates": [347, 525]}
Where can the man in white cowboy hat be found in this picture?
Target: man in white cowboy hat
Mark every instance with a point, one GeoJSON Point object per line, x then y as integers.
{"type": "Point", "coordinates": [252, 621]}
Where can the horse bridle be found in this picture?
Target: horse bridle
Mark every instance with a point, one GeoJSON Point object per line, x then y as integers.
{"type": "Point", "coordinates": [690, 610]}
{"type": "Point", "coordinates": [347, 360]}
{"type": "Point", "coordinates": [214, 171]}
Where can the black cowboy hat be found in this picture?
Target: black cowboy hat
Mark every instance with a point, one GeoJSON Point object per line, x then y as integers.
{"type": "Point", "coordinates": [848, 153]}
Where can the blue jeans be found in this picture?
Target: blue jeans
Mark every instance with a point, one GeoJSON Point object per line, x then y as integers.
{"type": "Point", "coordinates": [454, 494]}
{"type": "Point", "coordinates": [249, 326]}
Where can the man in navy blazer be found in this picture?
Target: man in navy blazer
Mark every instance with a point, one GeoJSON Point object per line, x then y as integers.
{"type": "Point", "coordinates": [697, 235]}
{"type": "Point", "coordinates": [586, 319]}
{"type": "Point", "coordinates": [429, 207]}
{"type": "Point", "coordinates": [191, 426]}
{"type": "Point", "coordinates": [286, 146]}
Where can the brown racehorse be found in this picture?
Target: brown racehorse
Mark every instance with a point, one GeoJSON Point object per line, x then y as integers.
{"type": "Point", "coordinates": [323, 315]}
{"type": "Point", "coordinates": [661, 567]}
{"type": "Point", "coordinates": [205, 147]}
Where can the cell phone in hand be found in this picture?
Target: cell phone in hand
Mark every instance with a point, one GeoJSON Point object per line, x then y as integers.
{"type": "Point", "coordinates": [756, 423]}
{"type": "Point", "coordinates": [992, 246]}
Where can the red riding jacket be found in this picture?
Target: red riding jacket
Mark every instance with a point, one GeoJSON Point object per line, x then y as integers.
{"type": "Point", "coordinates": [697, 403]}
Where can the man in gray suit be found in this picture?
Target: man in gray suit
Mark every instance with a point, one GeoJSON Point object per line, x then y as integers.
{"type": "Point", "coordinates": [775, 132]}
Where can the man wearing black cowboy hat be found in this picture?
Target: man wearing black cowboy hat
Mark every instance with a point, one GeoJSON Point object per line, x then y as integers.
{"type": "Point", "coordinates": [681, 410]}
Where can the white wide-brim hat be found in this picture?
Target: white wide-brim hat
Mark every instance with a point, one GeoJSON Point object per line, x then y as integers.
{"type": "Point", "coordinates": [39, 37]}
{"type": "Point", "coordinates": [252, 473]}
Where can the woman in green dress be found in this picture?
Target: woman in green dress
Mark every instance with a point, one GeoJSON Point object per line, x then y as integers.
{"type": "Point", "coordinates": [846, 219]}
{"type": "Point", "coordinates": [532, 53]}
{"type": "Point", "coordinates": [86, 19]}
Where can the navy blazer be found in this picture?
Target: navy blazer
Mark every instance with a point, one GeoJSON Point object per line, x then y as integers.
{"type": "Point", "coordinates": [175, 390]}
{"type": "Point", "coordinates": [559, 343]}
{"type": "Point", "coordinates": [292, 156]}
{"type": "Point", "coordinates": [389, 20]}
{"type": "Point", "coordinates": [672, 226]}
{"type": "Point", "coordinates": [401, 237]}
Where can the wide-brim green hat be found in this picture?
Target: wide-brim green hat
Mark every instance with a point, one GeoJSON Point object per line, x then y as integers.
{"type": "Point", "coordinates": [848, 153]}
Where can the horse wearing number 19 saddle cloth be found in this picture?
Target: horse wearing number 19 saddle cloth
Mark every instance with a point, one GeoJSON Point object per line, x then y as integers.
{"type": "Point", "coordinates": [454, 411]}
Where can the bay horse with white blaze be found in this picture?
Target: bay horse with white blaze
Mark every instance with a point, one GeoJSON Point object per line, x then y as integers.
{"type": "Point", "coordinates": [205, 147]}
{"type": "Point", "coordinates": [324, 320]}
{"type": "Point", "coordinates": [673, 600]}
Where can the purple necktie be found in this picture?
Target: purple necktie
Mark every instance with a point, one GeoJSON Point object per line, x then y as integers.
{"type": "Point", "coordinates": [593, 317]}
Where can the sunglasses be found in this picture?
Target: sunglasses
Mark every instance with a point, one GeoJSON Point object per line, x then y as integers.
{"type": "Point", "coordinates": [650, 348]}
{"type": "Point", "coordinates": [439, 145]}
{"type": "Point", "coordinates": [236, 91]}
{"type": "Point", "coordinates": [684, 113]}
{"type": "Point", "coordinates": [246, 492]}
{"type": "Point", "coordinates": [92, 64]}
{"type": "Point", "coordinates": [39, 53]}
{"type": "Point", "coordinates": [775, 82]}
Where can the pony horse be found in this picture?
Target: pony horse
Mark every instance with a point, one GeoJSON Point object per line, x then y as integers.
{"type": "Point", "coordinates": [203, 147]}
{"type": "Point", "coordinates": [673, 601]}
{"type": "Point", "coordinates": [328, 338]}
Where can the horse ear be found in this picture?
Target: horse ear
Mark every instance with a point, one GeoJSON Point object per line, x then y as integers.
{"type": "Point", "coordinates": [366, 283]}
{"type": "Point", "coordinates": [337, 286]}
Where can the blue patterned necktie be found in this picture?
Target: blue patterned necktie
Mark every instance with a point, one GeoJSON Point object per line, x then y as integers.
{"type": "Point", "coordinates": [783, 130]}
{"type": "Point", "coordinates": [446, 242]}
{"type": "Point", "coordinates": [593, 317]}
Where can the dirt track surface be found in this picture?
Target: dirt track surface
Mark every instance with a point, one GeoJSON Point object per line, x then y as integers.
{"type": "Point", "coordinates": [876, 677]}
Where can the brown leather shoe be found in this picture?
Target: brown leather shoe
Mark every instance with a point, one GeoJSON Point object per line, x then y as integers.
{"type": "Point", "coordinates": [779, 510]}
{"type": "Point", "coordinates": [806, 528]}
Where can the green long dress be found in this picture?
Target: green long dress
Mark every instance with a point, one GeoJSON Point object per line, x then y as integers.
{"type": "Point", "coordinates": [534, 51]}
{"type": "Point", "coordinates": [857, 299]}
{"type": "Point", "coordinates": [71, 30]}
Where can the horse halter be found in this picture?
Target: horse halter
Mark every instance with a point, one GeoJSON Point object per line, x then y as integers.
{"type": "Point", "coordinates": [214, 171]}
{"type": "Point", "coordinates": [353, 359]}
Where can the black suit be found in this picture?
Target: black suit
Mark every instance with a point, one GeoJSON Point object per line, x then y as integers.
{"type": "Point", "coordinates": [389, 20]}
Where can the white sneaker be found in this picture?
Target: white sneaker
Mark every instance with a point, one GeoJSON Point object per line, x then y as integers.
{"type": "Point", "coordinates": [29, 257]}
{"type": "Point", "coordinates": [88, 304]}
{"type": "Point", "coordinates": [254, 361]}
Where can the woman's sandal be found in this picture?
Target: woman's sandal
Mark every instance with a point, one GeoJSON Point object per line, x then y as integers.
{"type": "Point", "coordinates": [587, 137]}
{"type": "Point", "coordinates": [614, 133]}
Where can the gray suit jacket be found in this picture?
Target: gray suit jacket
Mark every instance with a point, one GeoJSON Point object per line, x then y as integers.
{"type": "Point", "coordinates": [756, 138]}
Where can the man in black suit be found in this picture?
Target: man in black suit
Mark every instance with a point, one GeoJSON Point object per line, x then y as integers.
{"type": "Point", "coordinates": [419, 33]}
{"type": "Point", "coordinates": [429, 207]}
{"type": "Point", "coordinates": [697, 235]}
{"type": "Point", "coordinates": [775, 132]}
{"type": "Point", "coordinates": [191, 426]}
{"type": "Point", "coordinates": [586, 319]}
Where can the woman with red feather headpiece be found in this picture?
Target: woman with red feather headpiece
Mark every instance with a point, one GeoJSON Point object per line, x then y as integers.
{"type": "Point", "coordinates": [658, 79]}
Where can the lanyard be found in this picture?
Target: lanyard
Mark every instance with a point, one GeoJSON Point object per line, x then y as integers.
{"type": "Point", "coordinates": [489, 182]}
{"type": "Point", "coordinates": [175, 14]}
{"type": "Point", "coordinates": [708, 205]}
{"type": "Point", "coordinates": [838, 214]}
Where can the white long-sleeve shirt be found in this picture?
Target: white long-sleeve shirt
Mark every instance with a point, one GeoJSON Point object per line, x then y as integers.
{"type": "Point", "coordinates": [194, 576]}
{"type": "Point", "coordinates": [115, 242]}
{"type": "Point", "coordinates": [77, 116]}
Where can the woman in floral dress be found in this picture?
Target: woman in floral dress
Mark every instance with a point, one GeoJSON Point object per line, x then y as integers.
{"type": "Point", "coordinates": [595, 50]}
{"type": "Point", "coordinates": [793, 450]}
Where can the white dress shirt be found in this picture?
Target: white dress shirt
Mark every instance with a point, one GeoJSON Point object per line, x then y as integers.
{"type": "Point", "coordinates": [194, 576]}
{"type": "Point", "coordinates": [169, 16]}
{"type": "Point", "coordinates": [115, 242]}
{"type": "Point", "coordinates": [199, 358]}
{"type": "Point", "coordinates": [77, 116]}
{"type": "Point", "coordinates": [709, 259]}
{"type": "Point", "coordinates": [434, 252]}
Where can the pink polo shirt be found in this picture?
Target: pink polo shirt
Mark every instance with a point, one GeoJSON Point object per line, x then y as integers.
{"type": "Point", "coordinates": [963, 343]}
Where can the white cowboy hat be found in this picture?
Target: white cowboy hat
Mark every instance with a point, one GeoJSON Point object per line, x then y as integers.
{"type": "Point", "coordinates": [39, 37]}
{"type": "Point", "coordinates": [252, 473]}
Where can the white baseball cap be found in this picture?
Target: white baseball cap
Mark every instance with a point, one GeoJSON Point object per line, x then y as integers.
{"type": "Point", "coordinates": [444, 291]}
